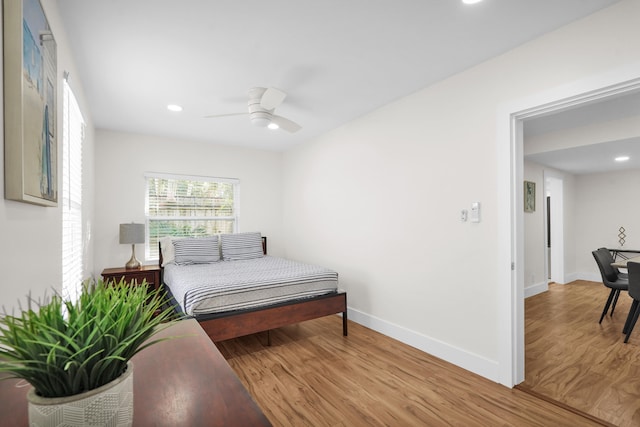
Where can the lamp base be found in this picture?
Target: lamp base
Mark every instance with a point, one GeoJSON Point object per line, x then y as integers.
{"type": "Point", "coordinates": [133, 263]}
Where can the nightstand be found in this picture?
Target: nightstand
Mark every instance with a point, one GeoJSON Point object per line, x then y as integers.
{"type": "Point", "coordinates": [150, 273]}
{"type": "Point", "coordinates": [135, 276]}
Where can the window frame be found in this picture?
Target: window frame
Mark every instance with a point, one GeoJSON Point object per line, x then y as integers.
{"type": "Point", "coordinates": [151, 254]}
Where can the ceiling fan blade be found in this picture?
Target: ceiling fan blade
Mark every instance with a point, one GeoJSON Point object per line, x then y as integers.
{"type": "Point", "coordinates": [271, 98]}
{"type": "Point", "coordinates": [286, 124]}
{"type": "Point", "coordinates": [225, 115]}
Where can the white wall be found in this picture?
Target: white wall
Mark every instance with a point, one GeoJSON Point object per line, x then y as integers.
{"type": "Point", "coordinates": [534, 229]}
{"type": "Point", "coordinates": [123, 159]}
{"type": "Point", "coordinates": [32, 235]}
{"type": "Point", "coordinates": [606, 202]}
{"type": "Point", "coordinates": [379, 198]}
{"type": "Point", "coordinates": [571, 231]}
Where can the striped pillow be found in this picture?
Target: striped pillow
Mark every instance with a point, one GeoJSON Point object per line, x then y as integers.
{"type": "Point", "coordinates": [196, 251]}
{"type": "Point", "coordinates": [241, 246]}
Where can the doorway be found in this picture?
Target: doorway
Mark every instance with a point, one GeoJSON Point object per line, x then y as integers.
{"type": "Point", "coordinates": [510, 190]}
{"type": "Point", "coordinates": [553, 189]}
{"type": "Point", "coordinates": [548, 236]}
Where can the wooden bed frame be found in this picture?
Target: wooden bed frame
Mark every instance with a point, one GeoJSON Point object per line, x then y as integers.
{"type": "Point", "coordinates": [227, 325]}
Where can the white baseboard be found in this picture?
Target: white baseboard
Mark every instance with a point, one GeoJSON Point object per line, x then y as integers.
{"type": "Point", "coordinates": [536, 289]}
{"type": "Point", "coordinates": [571, 277]}
{"type": "Point", "coordinates": [472, 362]}
{"type": "Point", "coordinates": [593, 277]}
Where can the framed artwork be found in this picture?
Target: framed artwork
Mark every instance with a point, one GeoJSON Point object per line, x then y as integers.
{"type": "Point", "coordinates": [30, 92]}
{"type": "Point", "coordinates": [529, 196]}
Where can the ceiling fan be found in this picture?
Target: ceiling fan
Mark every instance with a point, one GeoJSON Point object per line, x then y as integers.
{"type": "Point", "coordinates": [262, 103]}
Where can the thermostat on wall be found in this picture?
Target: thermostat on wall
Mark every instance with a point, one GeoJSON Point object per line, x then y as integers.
{"type": "Point", "coordinates": [475, 212]}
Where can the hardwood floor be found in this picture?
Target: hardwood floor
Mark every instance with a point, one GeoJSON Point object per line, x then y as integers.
{"type": "Point", "coordinates": [573, 359]}
{"type": "Point", "coordinates": [313, 376]}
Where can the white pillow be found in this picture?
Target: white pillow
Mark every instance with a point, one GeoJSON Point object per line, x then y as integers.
{"type": "Point", "coordinates": [241, 246]}
{"type": "Point", "coordinates": [168, 252]}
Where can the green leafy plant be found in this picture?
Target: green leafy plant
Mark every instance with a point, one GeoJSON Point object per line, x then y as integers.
{"type": "Point", "coordinates": [63, 348]}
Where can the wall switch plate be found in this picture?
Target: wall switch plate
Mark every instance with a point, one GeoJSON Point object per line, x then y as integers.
{"type": "Point", "coordinates": [475, 212]}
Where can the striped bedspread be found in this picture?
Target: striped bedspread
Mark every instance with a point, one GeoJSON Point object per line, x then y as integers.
{"type": "Point", "coordinates": [234, 285]}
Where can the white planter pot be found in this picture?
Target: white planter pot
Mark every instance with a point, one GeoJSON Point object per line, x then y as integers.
{"type": "Point", "coordinates": [110, 405]}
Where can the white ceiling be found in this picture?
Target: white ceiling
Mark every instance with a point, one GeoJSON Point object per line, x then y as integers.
{"type": "Point", "coordinates": [337, 60]}
{"type": "Point", "coordinates": [593, 158]}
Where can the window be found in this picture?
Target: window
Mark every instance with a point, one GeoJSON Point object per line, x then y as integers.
{"type": "Point", "coordinates": [188, 206]}
{"type": "Point", "coordinates": [72, 253]}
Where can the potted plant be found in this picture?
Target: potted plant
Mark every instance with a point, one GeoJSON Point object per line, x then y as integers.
{"type": "Point", "coordinates": [76, 354]}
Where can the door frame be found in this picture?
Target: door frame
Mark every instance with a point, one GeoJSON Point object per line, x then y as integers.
{"type": "Point", "coordinates": [510, 117]}
{"type": "Point", "coordinates": [554, 185]}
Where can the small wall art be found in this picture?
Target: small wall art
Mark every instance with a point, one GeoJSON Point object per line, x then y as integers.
{"type": "Point", "coordinates": [529, 196]}
{"type": "Point", "coordinates": [30, 91]}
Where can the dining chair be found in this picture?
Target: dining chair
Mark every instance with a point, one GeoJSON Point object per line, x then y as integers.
{"type": "Point", "coordinates": [634, 291]}
{"type": "Point", "coordinates": [611, 278]}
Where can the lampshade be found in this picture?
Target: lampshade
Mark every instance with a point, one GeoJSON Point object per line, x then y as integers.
{"type": "Point", "coordinates": [132, 233]}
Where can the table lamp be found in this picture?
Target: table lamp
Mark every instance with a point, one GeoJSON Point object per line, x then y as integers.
{"type": "Point", "coordinates": [132, 233]}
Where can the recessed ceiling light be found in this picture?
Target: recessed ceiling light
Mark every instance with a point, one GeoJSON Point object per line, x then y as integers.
{"type": "Point", "coordinates": [471, 1]}
{"type": "Point", "coordinates": [174, 107]}
{"type": "Point", "coordinates": [273, 126]}
{"type": "Point", "coordinates": [621, 158]}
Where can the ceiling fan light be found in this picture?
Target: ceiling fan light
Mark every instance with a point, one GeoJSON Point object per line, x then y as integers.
{"type": "Point", "coordinates": [260, 121]}
{"type": "Point", "coordinates": [273, 126]}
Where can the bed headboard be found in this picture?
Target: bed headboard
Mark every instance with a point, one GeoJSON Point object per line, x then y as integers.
{"type": "Point", "coordinates": [264, 249]}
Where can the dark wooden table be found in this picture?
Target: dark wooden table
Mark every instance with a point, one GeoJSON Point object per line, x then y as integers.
{"type": "Point", "coordinates": [181, 382]}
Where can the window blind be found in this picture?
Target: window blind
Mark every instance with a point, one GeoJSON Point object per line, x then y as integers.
{"type": "Point", "coordinates": [72, 253]}
{"type": "Point", "coordinates": [188, 206]}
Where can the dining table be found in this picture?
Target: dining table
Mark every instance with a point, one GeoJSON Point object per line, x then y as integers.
{"type": "Point", "coordinates": [622, 263]}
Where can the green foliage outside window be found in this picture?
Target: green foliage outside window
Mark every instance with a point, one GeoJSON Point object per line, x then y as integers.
{"type": "Point", "coordinates": [188, 208]}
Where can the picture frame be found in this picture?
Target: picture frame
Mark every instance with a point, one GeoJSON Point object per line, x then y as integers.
{"type": "Point", "coordinates": [529, 196]}
{"type": "Point", "coordinates": [30, 104]}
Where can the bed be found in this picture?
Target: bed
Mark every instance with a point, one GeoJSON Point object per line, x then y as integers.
{"type": "Point", "coordinates": [232, 287]}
